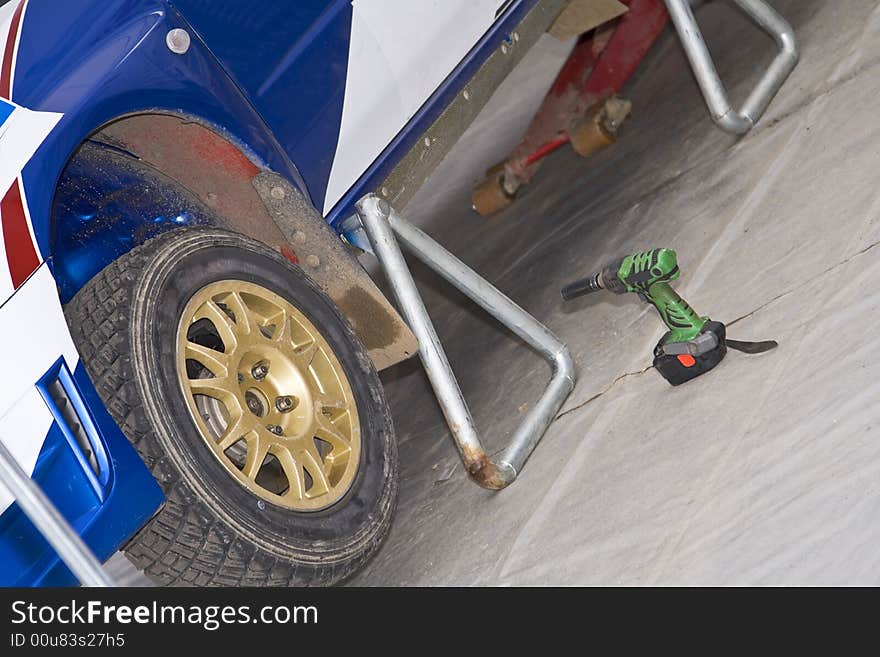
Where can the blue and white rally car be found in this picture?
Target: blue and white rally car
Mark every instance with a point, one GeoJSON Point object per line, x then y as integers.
{"type": "Point", "coordinates": [191, 348]}
{"type": "Point", "coordinates": [190, 351]}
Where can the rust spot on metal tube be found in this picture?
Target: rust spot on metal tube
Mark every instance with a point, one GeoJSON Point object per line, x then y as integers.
{"type": "Point", "coordinates": [482, 470]}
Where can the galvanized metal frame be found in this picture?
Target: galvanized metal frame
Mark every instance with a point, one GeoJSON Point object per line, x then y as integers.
{"type": "Point", "coordinates": [384, 228]}
{"type": "Point", "coordinates": [729, 119]}
{"type": "Point", "coordinates": [51, 524]}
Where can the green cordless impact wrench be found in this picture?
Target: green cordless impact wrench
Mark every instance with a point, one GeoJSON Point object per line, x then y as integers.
{"type": "Point", "coordinates": [692, 345]}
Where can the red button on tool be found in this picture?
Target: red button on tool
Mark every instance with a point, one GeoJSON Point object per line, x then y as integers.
{"type": "Point", "coordinates": [687, 360]}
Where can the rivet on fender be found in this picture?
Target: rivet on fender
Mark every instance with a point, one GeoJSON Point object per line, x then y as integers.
{"type": "Point", "coordinates": [178, 41]}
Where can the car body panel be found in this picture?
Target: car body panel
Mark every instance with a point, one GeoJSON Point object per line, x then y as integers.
{"type": "Point", "coordinates": [355, 76]}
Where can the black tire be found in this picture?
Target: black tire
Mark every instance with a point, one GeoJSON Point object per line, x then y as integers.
{"type": "Point", "coordinates": [212, 530]}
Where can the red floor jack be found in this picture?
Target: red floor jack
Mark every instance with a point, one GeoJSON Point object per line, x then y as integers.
{"type": "Point", "coordinates": [581, 107]}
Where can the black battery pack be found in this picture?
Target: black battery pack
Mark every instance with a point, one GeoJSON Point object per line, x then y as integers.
{"type": "Point", "coordinates": [679, 368]}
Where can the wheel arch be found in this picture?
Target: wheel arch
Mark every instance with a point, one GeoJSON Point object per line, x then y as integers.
{"type": "Point", "coordinates": [149, 163]}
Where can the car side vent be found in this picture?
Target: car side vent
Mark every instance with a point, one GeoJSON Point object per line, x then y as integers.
{"type": "Point", "coordinates": [71, 419]}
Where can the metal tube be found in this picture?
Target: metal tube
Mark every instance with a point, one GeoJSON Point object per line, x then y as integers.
{"type": "Point", "coordinates": [381, 223]}
{"type": "Point", "coordinates": [723, 113]}
{"type": "Point", "coordinates": [51, 524]}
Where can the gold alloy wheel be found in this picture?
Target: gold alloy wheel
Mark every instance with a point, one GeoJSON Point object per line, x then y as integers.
{"type": "Point", "coordinates": [268, 395]}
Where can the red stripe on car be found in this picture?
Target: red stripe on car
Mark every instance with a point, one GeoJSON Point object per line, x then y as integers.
{"type": "Point", "coordinates": [21, 256]}
{"type": "Point", "coordinates": [9, 51]}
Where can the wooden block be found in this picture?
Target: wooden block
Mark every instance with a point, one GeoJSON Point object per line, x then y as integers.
{"type": "Point", "coordinates": [581, 16]}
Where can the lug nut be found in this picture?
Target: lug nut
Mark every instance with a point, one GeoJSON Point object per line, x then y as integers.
{"type": "Point", "coordinates": [285, 404]}
{"type": "Point", "coordinates": [254, 404]}
{"type": "Point", "coordinates": [274, 428]}
{"type": "Point", "coordinates": [259, 371]}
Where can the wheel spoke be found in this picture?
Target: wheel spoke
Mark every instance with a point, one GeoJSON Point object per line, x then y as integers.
{"type": "Point", "coordinates": [256, 454]}
{"type": "Point", "coordinates": [310, 460]}
{"type": "Point", "coordinates": [215, 361]}
{"type": "Point", "coordinates": [219, 388]}
{"type": "Point", "coordinates": [235, 431]}
{"type": "Point", "coordinates": [221, 321]}
{"type": "Point", "coordinates": [306, 354]}
{"type": "Point", "coordinates": [244, 321]}
{"type": "Point", "coordinates": [328, 401]}
{"type": "Point", "coordinates": [293, 472]}
{"type": "Point", "coordinates": [340, 445]}
{"type": "Point", "coordinates": [282, 330]}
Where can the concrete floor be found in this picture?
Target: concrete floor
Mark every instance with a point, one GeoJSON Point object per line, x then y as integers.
{"type": "Point", "coordinates": [767, 470]}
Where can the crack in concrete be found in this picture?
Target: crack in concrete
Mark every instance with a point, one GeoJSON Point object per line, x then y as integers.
{"type": "Point", "coordinates": [605, 390]}
{"type": "Point", "coordinates": [824, 272]}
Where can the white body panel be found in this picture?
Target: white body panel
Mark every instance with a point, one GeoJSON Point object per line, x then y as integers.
{"type": "Point", "coordinates": [20, 137]}
{"type": "Point", "coordinates": [400, 52]}
{"type": "Point", "coordinates": [34, 334]}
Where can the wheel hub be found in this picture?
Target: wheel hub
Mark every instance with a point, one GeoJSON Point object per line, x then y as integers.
{"type": "Point", "coordinates": [268, 395]}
